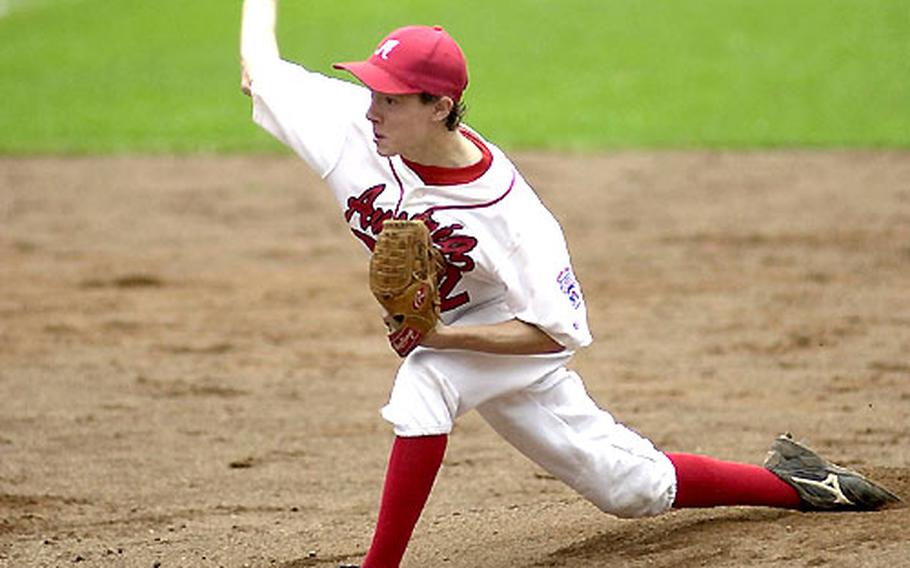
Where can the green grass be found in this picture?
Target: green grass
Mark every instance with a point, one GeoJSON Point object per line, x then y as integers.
{"type": "Point", "coordinates": [90, 76]}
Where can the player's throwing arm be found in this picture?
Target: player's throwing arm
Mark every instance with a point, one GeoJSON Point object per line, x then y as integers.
{"type": "Point", "coordinates": [257, 37]}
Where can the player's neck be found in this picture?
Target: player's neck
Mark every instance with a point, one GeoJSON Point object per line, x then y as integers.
{"type": "Point", "coordinates": [446, 149]}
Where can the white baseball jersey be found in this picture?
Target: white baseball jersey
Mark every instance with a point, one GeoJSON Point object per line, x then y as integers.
{"type": "Point", "coordinates": [506, 254]}
{"type": "Point", "coordinates": [507, 259]}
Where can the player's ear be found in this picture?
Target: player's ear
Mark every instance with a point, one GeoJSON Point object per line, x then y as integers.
{"type": "Point", "coordinates": [442, 106]}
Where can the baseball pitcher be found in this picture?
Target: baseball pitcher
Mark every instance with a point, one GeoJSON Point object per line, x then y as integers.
{"type": "Point", "coordinates": [476, 286]}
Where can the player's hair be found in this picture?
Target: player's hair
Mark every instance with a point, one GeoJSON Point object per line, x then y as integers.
{"type": "Point", "coordinates": [455, 116]}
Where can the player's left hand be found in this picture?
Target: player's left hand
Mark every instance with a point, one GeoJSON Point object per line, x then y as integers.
{"type": "Point", "coordinates": [403, 278]}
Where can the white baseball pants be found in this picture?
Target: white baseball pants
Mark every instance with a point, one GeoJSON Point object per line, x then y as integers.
{"type": "Point", "coordinates": [544, 411]}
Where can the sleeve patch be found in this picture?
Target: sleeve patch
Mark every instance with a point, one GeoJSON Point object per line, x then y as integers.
{"type": "Point", "coordinates": [570, 287]}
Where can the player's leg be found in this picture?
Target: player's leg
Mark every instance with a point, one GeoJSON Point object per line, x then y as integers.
{"type": "Point", "coordinates": [412, 468]}
{"type": "Point", "coordinates": [557, 425]}
{"type": "Point", "coordinates": [422, 410]}
{"type": "Point", "coordinates": [702, 481]}
{"type": "Point", "coordinates": [431, 389]}
{"type": "Point", "coordinates": [793, 476]}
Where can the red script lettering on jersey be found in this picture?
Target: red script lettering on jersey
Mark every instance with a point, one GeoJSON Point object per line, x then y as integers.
{"type": "Point", "coordinates": [366, 219]}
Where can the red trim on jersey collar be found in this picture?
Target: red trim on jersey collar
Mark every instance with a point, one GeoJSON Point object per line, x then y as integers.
{"type": "Point", "coordinates": [437, 175]}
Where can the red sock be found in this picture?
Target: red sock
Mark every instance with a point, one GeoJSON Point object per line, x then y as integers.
{"type": "Point", "coordinates": [412, 469]}
{"type": "Point", "coordinates": [706, 482]}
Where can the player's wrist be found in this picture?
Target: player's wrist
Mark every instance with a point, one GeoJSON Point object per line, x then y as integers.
{"type": "Point", "coordinates": [439, 337]}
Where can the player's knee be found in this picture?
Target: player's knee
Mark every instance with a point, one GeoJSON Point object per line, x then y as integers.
{"type": "Point", "coordinates": [422, 402]}
{"type": "Point", "coordinates": [644, 495]}
{"type": "Point", "coordinates": [633, 505]}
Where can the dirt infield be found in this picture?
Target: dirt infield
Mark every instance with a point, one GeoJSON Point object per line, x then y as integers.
{"type": "Point", "coordinates": [191, 365]}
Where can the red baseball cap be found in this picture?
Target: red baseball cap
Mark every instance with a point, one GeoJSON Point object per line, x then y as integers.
{"type": "Point", "coordinates": [414, 59]}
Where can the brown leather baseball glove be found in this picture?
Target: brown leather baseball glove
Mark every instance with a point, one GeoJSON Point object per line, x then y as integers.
{"type": "Point", "coordinates": [404, 277]}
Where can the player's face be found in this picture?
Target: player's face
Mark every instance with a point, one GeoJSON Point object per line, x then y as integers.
{"type": "Point", "coordinates": [401, 123]}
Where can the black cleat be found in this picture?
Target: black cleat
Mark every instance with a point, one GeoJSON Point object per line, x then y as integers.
{"type": "Point", "coordinates": [822, 485]}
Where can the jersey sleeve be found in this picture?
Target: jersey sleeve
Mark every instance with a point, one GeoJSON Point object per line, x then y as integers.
{"type": "Point", "coordinates": [541, 288]}
{"type": "Point", "coordinates": [309, 112]}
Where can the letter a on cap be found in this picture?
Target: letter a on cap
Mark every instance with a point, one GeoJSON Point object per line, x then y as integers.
{"type": "Point", "coordinates": [386, 48]}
